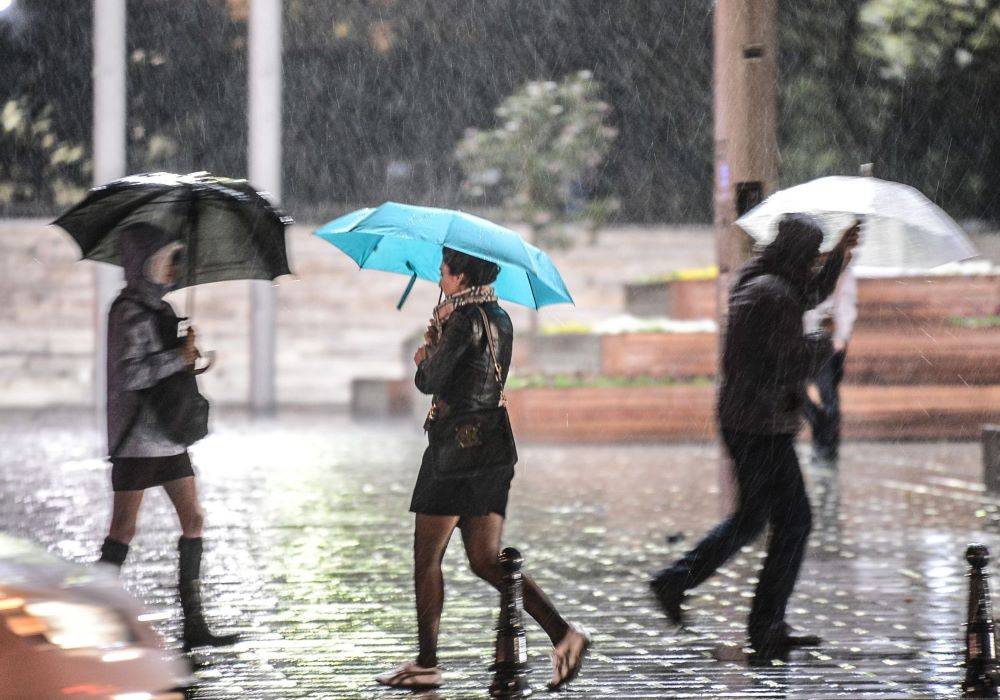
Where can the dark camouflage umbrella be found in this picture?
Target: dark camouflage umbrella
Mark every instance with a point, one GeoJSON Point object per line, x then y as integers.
{"type": "Point", "coordinates": [231, 231]}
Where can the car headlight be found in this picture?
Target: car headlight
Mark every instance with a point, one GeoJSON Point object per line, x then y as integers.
{"type": "Point", "coordinates": [68, 625]}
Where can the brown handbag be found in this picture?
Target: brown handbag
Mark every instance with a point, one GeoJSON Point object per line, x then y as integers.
{"type": "Point", "coordinates": [474, 443]}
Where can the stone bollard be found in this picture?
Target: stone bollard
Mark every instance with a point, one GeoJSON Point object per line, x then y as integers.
{"type": "Point", "coordinates": [991, 458]}
{"type": "Point", "coordinates": [510, 667]}
{"type": "Point", "coordinates": [981, 669]}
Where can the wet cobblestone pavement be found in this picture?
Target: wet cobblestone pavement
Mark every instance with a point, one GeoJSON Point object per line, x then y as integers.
{"type": "Point", "coordinates": [308, 554]}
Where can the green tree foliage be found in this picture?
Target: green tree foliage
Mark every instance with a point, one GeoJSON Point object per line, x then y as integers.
{"type": "Point", "coordinates": [378, 93]}
{"type": "Point", "coordinates": [44, 123]}
{"type": "Point", "coordinates": [911, 85]}
{"type": "Point", "coordinates": [186, 87]}
{"type": "Point", "coordinates": [381, 92]}
{"type": "Point", "coordinates": [550, 140]}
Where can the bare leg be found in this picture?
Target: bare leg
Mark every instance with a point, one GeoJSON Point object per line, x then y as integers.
{"type": "Point", "coordinates": [183, 494]}
{"type": "Point", "coordinates": [481, 536]}
{"type": "Point", "coordinates": [124, 515]}
{"type": "Point", "coordinates": [430, 540]}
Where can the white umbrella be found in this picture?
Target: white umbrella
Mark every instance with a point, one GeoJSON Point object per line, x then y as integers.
{"type": "Point", "coordinates": [901, 227]}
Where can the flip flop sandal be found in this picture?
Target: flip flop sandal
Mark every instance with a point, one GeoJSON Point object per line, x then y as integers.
{"type": "Point", "coordinates": [563, 659]}
{"type": "Point", "coordinates": [412, 677]}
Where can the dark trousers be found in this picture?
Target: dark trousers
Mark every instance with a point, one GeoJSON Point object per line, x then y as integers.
{"type": "Point", "coordinates": [771, 492]}
{"type": "Point", "coordinates": [824, 419]}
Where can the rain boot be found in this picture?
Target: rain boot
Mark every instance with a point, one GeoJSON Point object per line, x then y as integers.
{"type": "Point", "coordinates": [196, 632]}
{"type": "Point", "coordinates": [113, 552]}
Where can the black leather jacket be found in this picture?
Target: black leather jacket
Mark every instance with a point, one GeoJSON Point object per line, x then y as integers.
{"type": "Point", "coordinates": [459, 369]}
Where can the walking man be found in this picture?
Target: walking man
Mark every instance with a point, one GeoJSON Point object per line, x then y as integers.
{"type": "Point", "coordinates": [764, 367]}
{"type": "Point", "coordinates": [828, 329]}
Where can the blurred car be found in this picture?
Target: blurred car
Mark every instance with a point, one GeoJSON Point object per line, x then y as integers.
{"type": "Point", "coordinates": [71, 632]}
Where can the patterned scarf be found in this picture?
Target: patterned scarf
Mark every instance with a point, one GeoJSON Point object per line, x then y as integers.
{"type": "Point", "coordinates": [472, 295]}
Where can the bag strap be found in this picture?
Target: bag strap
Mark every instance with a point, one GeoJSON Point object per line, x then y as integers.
{"type": "Point", "coordinates": [493, 354]}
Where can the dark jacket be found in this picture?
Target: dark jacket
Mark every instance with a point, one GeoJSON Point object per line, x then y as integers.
{"type": "Point", "coordinates": [459, 370]}
{"type": "Point", "coordinates": [142, 351]}
{"type": "Point", "coordinates": [765, 361]}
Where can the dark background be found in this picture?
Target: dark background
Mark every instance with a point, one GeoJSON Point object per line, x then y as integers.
{"type": "Point", "coordinates": [378, 93]}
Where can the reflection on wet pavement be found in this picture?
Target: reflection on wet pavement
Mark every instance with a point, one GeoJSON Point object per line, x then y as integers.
{"type": "Point", "coordinates": [308, 554]}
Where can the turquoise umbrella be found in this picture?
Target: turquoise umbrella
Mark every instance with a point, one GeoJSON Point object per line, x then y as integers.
{"type": "Point", "coordinates": [408, 240]}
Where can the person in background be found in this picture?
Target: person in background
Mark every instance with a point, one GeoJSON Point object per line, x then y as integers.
{"type": "Point", "coordinates": [828, 329]}
{"type": "Point", "coordinates": [764, 368]}
{"type": "Point", "coordinates": [144, 350]}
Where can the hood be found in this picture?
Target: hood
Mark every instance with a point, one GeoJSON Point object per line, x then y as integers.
{"type": "Point", "coordinates": [791, 254]}
{"type": "Point", "coordinates": [145, 252]}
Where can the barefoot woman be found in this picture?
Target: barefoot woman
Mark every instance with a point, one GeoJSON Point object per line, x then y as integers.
{"type": "Point", "coordinates": [457, 367]}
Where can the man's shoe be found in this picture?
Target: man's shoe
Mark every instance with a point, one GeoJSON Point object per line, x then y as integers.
{"type": "Point", "coordinates": [790, 638]}
{"type": "Point", "coordinates": [767, 655]}
{"type": "Point", "coordinates": [775, 644]}
{"type": "Point", "coordinates": [670, 598]}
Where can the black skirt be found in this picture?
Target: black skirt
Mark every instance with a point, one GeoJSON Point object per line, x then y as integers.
{"type": "Point", "coordinates": [479, 495]}
{"type": "Point", "coordinates": [138, 473]}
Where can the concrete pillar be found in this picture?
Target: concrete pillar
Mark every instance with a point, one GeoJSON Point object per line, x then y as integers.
{"type": "Point", "coordinates": [109, 158]}
{"type": "Point", "coordinates": [745, 94]}
{"type": "Point", "coordinates": [746, 119]}
{"type": "Point", "coordinates": [264, 156]}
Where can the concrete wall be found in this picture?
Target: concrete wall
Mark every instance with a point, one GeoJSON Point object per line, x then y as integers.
{"type": "Point", "coordinates": [333, 322]}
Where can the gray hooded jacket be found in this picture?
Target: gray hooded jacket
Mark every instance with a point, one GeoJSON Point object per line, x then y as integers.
{"type": "Point", "coordinates": [764, 358]}
{"type": "Point", "coordinates": [140, 350]}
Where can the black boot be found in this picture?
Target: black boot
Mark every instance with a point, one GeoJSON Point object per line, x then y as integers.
{"type": "Point", "coordinates": [113, 552]}
{"type": "Point", "coordinates": [670, 595]}
{"type": "Point", "coordinates": [196, 632]}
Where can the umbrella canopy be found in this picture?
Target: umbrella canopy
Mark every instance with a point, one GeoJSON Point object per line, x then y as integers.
{"type": "Point", "coordinates": [230, 229]}
{"type": "Point", "coordinates": [902, 228]}
{"type": "Point", "coordinates": [408, 240]}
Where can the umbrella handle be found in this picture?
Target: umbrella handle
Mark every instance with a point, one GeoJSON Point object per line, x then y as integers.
{"type": "Point", "coordinates": [409, 288]}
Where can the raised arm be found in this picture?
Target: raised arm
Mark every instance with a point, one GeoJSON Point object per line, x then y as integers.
{"type": "Point", "coordinates": [825, 281]}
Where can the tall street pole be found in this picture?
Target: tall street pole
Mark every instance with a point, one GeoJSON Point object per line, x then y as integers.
{"type": "Point", "coordinates": [109, 158]}
{"type": "Point", "coordinates": [746, 140]}
{"type": "Point", "coordinates": [264, 156]}
{"type": "Point", "coordinates": [746, 122]}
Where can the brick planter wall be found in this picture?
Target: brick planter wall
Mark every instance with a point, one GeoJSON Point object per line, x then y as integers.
{"type": "Point", "coordinates": [929, 354]}
{"type": "Point", "coordinates": [911, 299]}
{"type": "Point", "coordinates": [925, 354]}
{"type": "Point", "coordinates": [573, 353]}
{"type": "Point", "coordinates": [678, 299]}
{"type": "Point", "coordinates": [686, 413]}
{"type": "Point", "coordinates": [679, 355]}
{"type": "Point", "coordinates": [927, 298]}
{"type": "Point", "coordinates": [613, 414]}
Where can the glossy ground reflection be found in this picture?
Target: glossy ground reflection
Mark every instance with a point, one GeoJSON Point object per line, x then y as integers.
{"type": "Point", "coordinates": [308, 554]}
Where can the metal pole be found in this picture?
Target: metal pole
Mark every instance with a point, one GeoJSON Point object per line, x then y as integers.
{"type": "Point", "coordinates": [109, 161]}
{"type": "Point", "coordinates": [264, 157]}
{"type": "Point", "coordinates": [746, 138]}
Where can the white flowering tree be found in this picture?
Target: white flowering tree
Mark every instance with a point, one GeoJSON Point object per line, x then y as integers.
{"type": "Point", "coordinates": [550, 140]}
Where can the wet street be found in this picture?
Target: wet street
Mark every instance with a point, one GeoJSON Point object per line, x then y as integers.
{"type": "Point", "coordinates": [308, 555]}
